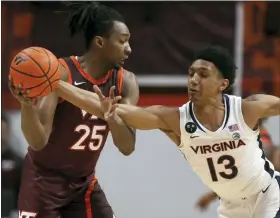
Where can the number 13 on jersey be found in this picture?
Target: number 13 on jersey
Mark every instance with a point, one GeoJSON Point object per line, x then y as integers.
{"type": "Point", "coordinates": [228, 161]}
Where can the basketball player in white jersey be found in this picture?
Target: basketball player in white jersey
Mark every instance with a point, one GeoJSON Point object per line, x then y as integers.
{"type": "Point", "coordinates": [217, 133]}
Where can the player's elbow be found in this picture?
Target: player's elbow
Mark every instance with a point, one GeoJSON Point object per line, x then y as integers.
{"type": "Point", "coordinates": [126, 147]}
{"type": "Point", "coordinates": [37, 143]}
{"type": "Point", "coordinates": [127, 151]}
{"type": "Point", "coordinates": [36, 147]}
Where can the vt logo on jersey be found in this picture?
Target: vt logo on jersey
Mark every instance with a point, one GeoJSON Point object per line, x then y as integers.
{"type": "Point", "coordinates": [92, 117]}
{"type": "Point", "coordinates": [190, 127]}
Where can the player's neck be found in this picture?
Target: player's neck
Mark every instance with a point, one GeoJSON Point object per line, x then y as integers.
{"type": "Point", "coordinates": [210, 108]}
{"type": "Point", "coordinates": [95, 67]}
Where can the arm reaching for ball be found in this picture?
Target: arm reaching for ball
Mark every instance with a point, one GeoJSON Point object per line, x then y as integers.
{"type": "Point", "coordinates": [86, 100]}
{"type": "Point", "coordinates": [153, 117]}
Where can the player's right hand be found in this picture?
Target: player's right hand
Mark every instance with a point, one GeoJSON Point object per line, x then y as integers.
{"type": "Point", "coordinates": [20, 94]}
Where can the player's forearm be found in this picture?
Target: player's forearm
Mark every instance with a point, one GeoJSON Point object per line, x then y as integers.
{"type": "Point", "coordinates": [83, 99]}
{"type": "Point", "coordinates": [123, 136]}
{"type": "Point", "coordinates": [32, 128]}
{"type": "Point", "coordinates": [137, 117]}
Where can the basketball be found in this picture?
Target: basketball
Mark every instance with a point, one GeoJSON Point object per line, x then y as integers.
{"type": "Point", "coordinates": [36, 69]}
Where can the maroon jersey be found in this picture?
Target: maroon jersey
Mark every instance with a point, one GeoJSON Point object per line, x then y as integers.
{"type": "Point", "coordinates": [77, 138]}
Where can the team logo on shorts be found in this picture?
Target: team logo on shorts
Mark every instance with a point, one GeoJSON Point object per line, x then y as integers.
{"type": "Point", "coordinates": [236, 136]}
{"type": "Point", "coordinates": [190, 127]}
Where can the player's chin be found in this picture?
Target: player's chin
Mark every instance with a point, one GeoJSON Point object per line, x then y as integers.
{"type": "Point", "coordinates": [119, 63]}
{"type": "Point", "coordinates": [193, 97]}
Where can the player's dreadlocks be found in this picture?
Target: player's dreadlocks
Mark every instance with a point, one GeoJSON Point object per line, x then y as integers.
{"type": "Point", "coordinates": [91, 18]}
{"type": "Point", "coordinates": [221, 58]}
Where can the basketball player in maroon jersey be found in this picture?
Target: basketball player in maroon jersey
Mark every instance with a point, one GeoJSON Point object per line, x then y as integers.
{"type": "Point", "coordinates": [64, 141]}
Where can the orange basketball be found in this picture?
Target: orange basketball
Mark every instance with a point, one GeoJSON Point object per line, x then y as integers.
{"type": "Point", "coordinates": [36, 69]}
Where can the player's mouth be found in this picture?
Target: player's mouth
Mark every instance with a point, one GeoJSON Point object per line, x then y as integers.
{"type": "Point", "coordinates": [193, 94]}
{"type": "Point", "coordinates": [123, 60]}
{"type": "Point", "coordinates": [191, 90]}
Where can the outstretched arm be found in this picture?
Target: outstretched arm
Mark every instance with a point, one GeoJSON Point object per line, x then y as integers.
{"type": "Point", "coordinates": [259, 106]}
{"type": "Point", "coordinates": [153, 117]}
{"type": "Point", "coordinates": [83, 99]}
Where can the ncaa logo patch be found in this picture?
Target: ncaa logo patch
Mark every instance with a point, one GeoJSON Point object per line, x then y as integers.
{"type": "Point", "coordinates": [236, 136]}
{"type": "Point", "coordinates": [190, 127]}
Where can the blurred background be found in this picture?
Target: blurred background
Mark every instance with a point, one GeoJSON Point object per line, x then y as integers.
{"type": "Point", "coordinates": [155, 181]}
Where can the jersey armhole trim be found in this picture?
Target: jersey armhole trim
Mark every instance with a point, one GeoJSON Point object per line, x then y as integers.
{"type": "Point", "coordinates": [63, 62]}
{"type": "Point", "coordinates": [183, 112]}
{"type": "Point", "coordinates": [120, 80]}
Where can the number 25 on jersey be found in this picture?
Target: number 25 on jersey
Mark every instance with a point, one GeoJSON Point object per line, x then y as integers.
{"type": "Point", "coordinates": [91, 134]}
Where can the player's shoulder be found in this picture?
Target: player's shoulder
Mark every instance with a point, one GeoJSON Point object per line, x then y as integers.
{"type": "Point", "coordinates": [186, 104]}
{"type": "Point", "coordinates": [249, 102]}
{"type": "Point", "coordinates": [252, 102]}
{"type": "Point", "coordinates": [64, 68]}
{"type": "Point", "coordinates": [129, 81]}
{"type": "Point", "coordinates": [184, 109]}
{"type": "Point", "coordinates": [128, 75]}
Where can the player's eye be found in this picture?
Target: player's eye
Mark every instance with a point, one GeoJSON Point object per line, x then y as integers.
{"type": "Point", "coordinates": [203, 75]}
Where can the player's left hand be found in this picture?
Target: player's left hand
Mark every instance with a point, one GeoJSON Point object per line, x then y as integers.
{"type": "Point", "coordinates": [107, 103]}
{"type": "Point", "coordinates": [21, 94]}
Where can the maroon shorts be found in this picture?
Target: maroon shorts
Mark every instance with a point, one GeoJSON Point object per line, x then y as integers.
{"type": "Point", "coordinates": [49, 196]}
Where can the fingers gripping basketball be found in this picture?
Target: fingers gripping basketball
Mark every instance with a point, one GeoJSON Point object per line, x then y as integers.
{"type": "Point", "coordinates": [36, 69]}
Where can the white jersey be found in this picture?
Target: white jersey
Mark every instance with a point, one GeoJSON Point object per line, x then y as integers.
{"type": "Point", "coordinates": [230, 160]}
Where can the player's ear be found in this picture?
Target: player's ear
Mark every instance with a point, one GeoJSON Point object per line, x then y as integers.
{"type": "Point", "coordinates": [98, 41]}
{"type": "Point", "coordinates": [224, 84]}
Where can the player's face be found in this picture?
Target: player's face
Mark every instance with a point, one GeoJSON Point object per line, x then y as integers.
{"type": "Point", "coordinates": [204, 81]}
{"type": "Point", "coordinates": [116, 48]}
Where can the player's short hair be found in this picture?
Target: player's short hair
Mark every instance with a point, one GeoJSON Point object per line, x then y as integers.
{"type": "Point", "coordinates": [221, 58]}
{"type": "Point", "coordinates": [91, 18]}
